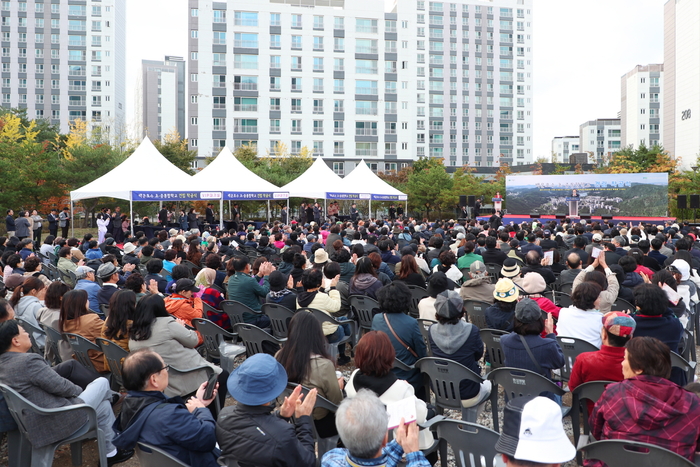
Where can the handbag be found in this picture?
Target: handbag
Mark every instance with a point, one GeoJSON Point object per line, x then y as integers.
{"type": "Point", "coordinates": [413, 352]}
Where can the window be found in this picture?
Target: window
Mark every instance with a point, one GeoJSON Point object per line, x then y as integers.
{"type": "Point", "coordinates": [245, 18]}
{"type": "Point", "coordinates": [193, 99]}
{"type": "Point", "coordinates": [318, 127]}
{"type": "Point", "coordinates": [194, 77]}
{"type": "Point", "coordinates": [218, 124]}
{"type": "Point", "coordinates": [366, 108]}
{"type": "Point", "coordinates": [339, 22]}
{"type": "Point", "coordinates": [219, 102]}
{"type": "Point", "coordinates": [365, 46]}
{"type": "Point", "coordinates": [366, 149]}
{"type": "Point", "coordinates": [339, 44]}
{"type": "Point", "coordinates": [296, 42]}
{"type": "Point", "coordinates": [245, 104]}
{"type": "Point", "coordinates": [245, 125]}
{"type": "Point", "coordinates": [244, 83]}
{"type": "Point", "coordinates": [318, 43]}
{"type": "Point", "coordinates": [275, 61]}
{"type": "Point", "coordinates": [275, 126]}
{"type": "Point", "coordinates": [318, 84]}
{"type": "Point", "coordinates": [339, 85]}
{"type": "Point", "coordinates": [318, 106]}
{"type": "Point", "coordinates": [194, 12]}
{"type": "Point", "coordinates": [296, 63]}
{"type": "Point", "coordinates": [194, 121]}
{"type": "Point", "coordinates": [275, 103]}
{"type": "Point", "coordinates": [318, 22]}
{"type": "Point", "coordinates": [194, 55]}
{"type": "Point", "coordinates": [219, 59]}
{"type": "Point", "coordinates": [194, 34]}
{"type": "Point", "coordinates": [338, 127]}
{"type": "Point", "coordinates": [296, 147]}
{"type": "Point", "coordinates": [338, 105]}
{"type": "Point", "coordinates": [275, 83]}
{"type": "Point", "coordinates": [275, 19]}
{"type": "Point", "coordinates": [296, 105]}
{"type": "Point", "coordinates": [296, 21]}
{"type": "Point", "coordinates": [366, 87]}
{"type": "Point", "coordinates": [219, 16]}
{"type": "Point", "coordinates": [390, 128]}
{"type": "Point", "coordinates": [338, 64]}
{"type": "Point", "coordinates": [366, 67]}
{"type": "Point", "coordinates": [338, 167]}
{"type": "Point", "coordinates": [296, 83]}
{"type": "Point", "coordinates": [366, 25]}
{"type": "Point", "coordinates": [245, 61]}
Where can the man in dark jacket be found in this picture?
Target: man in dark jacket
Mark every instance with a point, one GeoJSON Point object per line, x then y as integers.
{"type": "Point", "coordinates": [10, 223]}
{"type": "Point", "coordinates": [250, 433]}
{"type": "Point", "coordinates": [493, 255]}
{"type": "Point", "coordinates": [186, 431]}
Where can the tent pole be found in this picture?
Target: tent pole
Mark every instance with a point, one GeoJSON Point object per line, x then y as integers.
{"type": "Point", "coordinates": [370, 207]}
{"type": "Point", "coordinates": [268, 212]}
{"type": "Point", "coordinates": [405, 213]}
{"type": "Point", "coordinates": [324, 208]}
{"type": "Point", "coordinates": [288, 214]}
{"type": "Point", "coordinates": [131, 212]}
{"type": "Point", "coordinates": [72, 220]}
{"type": "Point", "coordinates": [221, 213]}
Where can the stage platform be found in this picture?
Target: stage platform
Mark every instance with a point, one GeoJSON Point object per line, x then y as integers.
{"type": "Point", "coordinates": [520, 218]}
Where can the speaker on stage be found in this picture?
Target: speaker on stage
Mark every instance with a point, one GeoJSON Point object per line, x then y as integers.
{"type": "Point", "coordinates": [694, 201]}
{"type": "Point", "coordinates": [462, 200]}
{"type": "Point", "coordinates": [682, 202]}
{"type": "Point", "coordinates": [471, 201]}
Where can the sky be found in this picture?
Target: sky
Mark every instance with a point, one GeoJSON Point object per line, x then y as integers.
{"type": "Point", "coordinates": [581, 49]}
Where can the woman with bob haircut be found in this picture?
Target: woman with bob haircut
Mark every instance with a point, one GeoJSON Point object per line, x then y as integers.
{"type": "Point", "coordinates": [408, 272]}
{"type": "Point", "coordinates": [374, 357]}
{"type": "Point", "coordinates": [646, 406]}
{"type": "Point", "coordinates": [583, 319]}
{"type": "Point", "coordinates": [49, 316]}
{"type": "Point", "coordinates": [121, 315]}
{"type": "Point", "coordinates": [76, 318]}
{"type": "Point", "coordinates": [308, 363]}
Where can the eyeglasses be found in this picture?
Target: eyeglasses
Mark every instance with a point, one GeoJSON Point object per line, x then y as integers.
{"type": "Point", "coordinates": [166, 368]}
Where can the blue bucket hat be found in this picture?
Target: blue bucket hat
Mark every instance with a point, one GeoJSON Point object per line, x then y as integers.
{"type": "Point", "coordinates": [258, 380]}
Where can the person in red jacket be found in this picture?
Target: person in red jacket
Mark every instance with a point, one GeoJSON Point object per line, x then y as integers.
{"type": "Point", "coordinates": [606, 363]}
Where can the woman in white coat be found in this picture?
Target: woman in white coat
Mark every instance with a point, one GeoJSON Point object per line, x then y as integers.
{"type": "Point", "coordinates": [102, 223]}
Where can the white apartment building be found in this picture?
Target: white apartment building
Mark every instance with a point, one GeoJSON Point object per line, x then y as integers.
{"type": "Point", "coordinates": [163, 97]}
{"type": "Point", "coordinates": [387, 81]}
{"type": "Point", "coordinates": [601, 138]}
{"type": "Point", "coordinates": [563, 147]}
{"type": "Point", "coordinates": [65, 60]}
{"type": "Point", "coordinates": [642, 100]}
{"type": "Point", "coordinates": [681, 107]}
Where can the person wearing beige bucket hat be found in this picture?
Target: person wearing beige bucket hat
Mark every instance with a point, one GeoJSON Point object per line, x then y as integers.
{"type": "Point", "coordinates": [500, 314]}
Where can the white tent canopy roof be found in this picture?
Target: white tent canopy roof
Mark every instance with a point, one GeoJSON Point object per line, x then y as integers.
{"type": "Point", "coordinates": [144, 170]}
{"type": "Point", "coordinates": [318, 180]}
{"type": "Point", "coordinates": [365, 182]}
{"type": "Point", "coordinates": [228, 174]}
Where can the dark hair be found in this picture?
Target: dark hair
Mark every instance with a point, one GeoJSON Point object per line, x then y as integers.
{"type": "Point", "coordinates": [180, 271]}
{"type": "Point", "coordinates": [364, 265]}
{"type": "Point", "coordinates": [304, 339]}
{"type": "Point", "coordinates": [138, 367]}
{"type": "Point", "coordinates": [374, 354]}
{"type": "Point", "coordinates": [394, 298]}
{"type": "Point", "coordinates": [447, 258]}
{"type": "Point", "coordinates": [597, 277]}
{"type": "Point", "coordinates": [240, 263]}
{"type": "Point", "coordinates": [8, 330]}
{"type": "Point", "coordinates": [14, 260]}
{"type": "Point", "coordinates": [121, 310]}
{"type": "Point", "coordinates": [312, 278]}
{"type": "Point", "coordinates": [170, 255]}
{"type": "Point", "coordinates": [526, 329]}
{"type": "Point", "coordinates": [64, 252]}
{"type": "Point", "coordinates": [617, 341]}
{"type": "Point", "coordinates": [134, 282]}
{"type": "Point", "coordinates": [628, 263]}
{"type": "Point", "coordinates": [30, 283]}
{"type": "Point", "coordinates": [32, 263]}
{"type": "Point", "coordinates": [176, 245]}
{"type": "Point", "coordinates": [650, 355]}
{"type": "Point", "coordinates": [651, 300]}
{"type": "Point", "coordinates": [331, 269]}
{"type": "Point", "coordinates": [54, 295]}
{"type": "Point", "coordinates": [212, 262]}
{"type": "Point", "coordinates": [147, 310]}
{"type": "Point", "coordinates": [154, 266]}
{"type": "Point", "coordinates": [72, 308]}
{"type": "Point", "coordinates": [408, 266]}
{"type": "Point", "coordinates": [585, 295]}
{"type": "Point", "coordinates": [665, 277]}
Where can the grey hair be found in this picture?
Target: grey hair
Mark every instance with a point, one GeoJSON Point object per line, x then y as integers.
{"type": "Point", "coordinates": [362, 423]}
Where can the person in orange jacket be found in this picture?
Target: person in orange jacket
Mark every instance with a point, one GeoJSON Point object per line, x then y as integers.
{"type": "Point", "coordinates": [184, 305]}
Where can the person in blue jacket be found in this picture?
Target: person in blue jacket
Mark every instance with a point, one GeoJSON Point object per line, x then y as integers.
{"type": "Point", "coordinates": [186, 430]}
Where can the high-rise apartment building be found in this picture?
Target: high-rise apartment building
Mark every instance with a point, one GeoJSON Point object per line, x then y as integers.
{"type": "Point", "coordinates": [642, 100]}
{"type": "Point", "coordinates": [600, 138]}
{"type": "Point", "coordinates": [385, 81]}
{"type": "Point", "coordinates": [681, 107]}
{"type": "Point", "coordinates": [563, 147]}
{"type": "Point", "coordinates": [64, 61]}
{"type": "Point", "coordinates": [163, 97]}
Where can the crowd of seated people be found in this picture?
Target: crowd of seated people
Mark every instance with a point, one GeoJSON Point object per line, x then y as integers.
{"type": "Point", "coordinates": [144, 293]}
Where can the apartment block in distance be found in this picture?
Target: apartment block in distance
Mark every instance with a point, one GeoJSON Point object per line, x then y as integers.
{"type": "Point", "coordinates": [681, 106]}
{"type": "Point", "coordinates": [64, 61]}
{"type": "Point", "coordinates": [601, 138]}
{"type": "Point", "coordinates": [163, 101]}
{"type": "Point", "coordinates": [641, 119]}
{"type": "Point", "coordinates": [384, 81]}
{"type": "Point", "coordinates": [563, 147]}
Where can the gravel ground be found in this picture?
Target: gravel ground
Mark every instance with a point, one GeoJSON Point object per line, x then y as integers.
{"type": "Point", "coordinates": [90, 457]}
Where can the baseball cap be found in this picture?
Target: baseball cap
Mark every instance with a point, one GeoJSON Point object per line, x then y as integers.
{"type": "Point", "coordinates": [510, 268]}
{"type": "Point", "coordinates": [183, 285]}
{"type": "Point", "coordinates": [106, 270]}
{"type": "Point", "coordinates": [258, 380]}
{"type": "Point", "coordinates": [449, 304]}
{"type": "Point", "coordinates": [505, 291]}
{"type": "Point", "coordinates": [81, 272]}
{"type": "Point", "coordinates": [527, 310]}
{"type": "Point", "coordinates": [533, 431]}
{"type": "Point", "coordinates": [619, 323]}
{"type": "Point", "coordinates": [597, 237]}
{"type": "Point", "coordinates": [311, 237]}
{"type": "Point", "coordinates": [477, 267]}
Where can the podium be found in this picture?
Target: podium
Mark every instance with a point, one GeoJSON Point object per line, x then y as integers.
{"type": "Point", "coordinates": [497, 203]}
{"type": "Point", "coordinates": [573, 205]}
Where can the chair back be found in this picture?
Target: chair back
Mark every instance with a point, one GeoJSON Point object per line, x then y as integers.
{"type": "Point", "coordinates": [324, 317]}
{"type": "Point", "coordinates": [494, 271]}
{"type": "Point", "coordinates": [401, 365]}
{"type": "Point", "coordinates": [218, 289]}
{"type": "Point", "coordinates": [194, 269]}
{"type": "Point", "coordinates": [424, 328]}
{"type": "Point", "coordinates": [212, 335]}
{"type": "Point", "coordinates": [53, 337]}
{"type": "Point", "coordinates": [364, 308]}
{"type": "Point", "coordinates": [517, 382]}
{"type": "Point", "coordinates": [208, 308]}
{"type": "Point", "coordinates": [492, 341]}
{"type": "Point", "coordinates": [104, 309]}
{"type": "Point", "coordinates": [622, 453]}
{"type": "Point", "coordinates": [476, 311]}
{"type": "Point", "coordinates": [114, 356]}
{"type": "Point", "coordinates": [472, 444]}
{"type": "Point", "coordinates": [31, 329]}
{"type": "Point", "coordinates": [66, 278]}
{"type": "Point", "coordinates": [566, 288]}
{"type": "Point", "coordinates": [620, 304]}
{"type": "Point", "coordinates": [253, 338]}
{"type": "Point", "coordinates": [590, 391]}
{"type": "Point", "coordinates": [572, 347]}
{"type": "Point", "coordinates": [561, 299]}
{"type": "Point", "coordinates": [151, 456]}
{"type": "Point", "coordinates": [444, 377]}
{"type": "Point", "coordinates": [80, 347]}
{"type": "Point", "coordinates": [688, 367]}
{"type": "Point", "coordinates": [279, 318]}
{"type": "Point", "coordinates": [417, 294]}
{"type": "Point", "coordinates": [52, 272]}
{"type": "Point", "coordinates": [235, 310]}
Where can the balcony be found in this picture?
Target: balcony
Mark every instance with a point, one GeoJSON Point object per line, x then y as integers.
{"type": "Point", "coordinates": [242, 86]}
{"type": "Point", "coordinates": [339, 89]}
{"type": "Point", "coordinates": [390, 50]}
{"type": "Point", "coordinates": [77, 43]}
{"type": "Point", "coordinates": [77, 88]}
{"type": "Point", "coordinates": [245, 108]}
{"type": "Point", "coordinates": [318, 110]}
{"type": "Point", "coordinates": [366, 50]}
{"type": "Point", "coordinates": [365, 132]}
{"type": "Point", "coordinates": [366, 111]}
{"type": "Point", "coordinates": [245, 128]}
{"type": "Point", "coordinates": [218, 105]}
{"type": "Point", "coordinates": [243, 44]}
{"type": "Point", "coordinates": [318, 88]}
{"type": "Point", "coordinates": [367, 91]}
{"type": "Point", "coordinates": [339, 68]}
{"type": "Point", "coordinates": [368, 29]}
{"type": "Point", "coordinates": [366, 152]}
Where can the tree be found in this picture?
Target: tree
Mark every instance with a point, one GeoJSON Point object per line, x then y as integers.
{"type": "Point", "coordinates": [429, 187]}
{"type": "Point", "coordinates": [175, 150]}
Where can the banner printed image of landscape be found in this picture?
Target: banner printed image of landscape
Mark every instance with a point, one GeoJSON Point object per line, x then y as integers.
{"type": "Point", "coordinates": [619, 195]}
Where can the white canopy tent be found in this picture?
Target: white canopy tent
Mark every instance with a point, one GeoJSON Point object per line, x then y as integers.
{"type": "Point", "coordinates": [234, 181]}
{"type": "Point", "coordinates": [362, 183]}
{"type": "Point", "coordinates": [318, 180]}
{"type": "Point", "coordinates": [146, 170]}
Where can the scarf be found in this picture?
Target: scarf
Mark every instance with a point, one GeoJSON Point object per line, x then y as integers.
{"type": "Point", "coordinates": [205, 277]}
{"type": "Point", "coordinates": [277, 295]}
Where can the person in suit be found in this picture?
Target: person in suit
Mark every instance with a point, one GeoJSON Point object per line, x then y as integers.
{"type": "Point", "coordinates": [477, 207]}
{"type": "Point", "coordinates": [53, 222]}
{"type": "Point", "coordinates": [163, 217]}
{"type": "Point", "coordinates": [284, 215]}
{"type": "Point", "coordinates": [353, 213]}
{"type": "Point", "coordinates": [32, 377]}
{"type": "Point", "coordinates": [209, 214]}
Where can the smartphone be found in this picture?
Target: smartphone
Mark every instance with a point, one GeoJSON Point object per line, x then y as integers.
{"type": "Point", "coordinates": [211, 385]}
